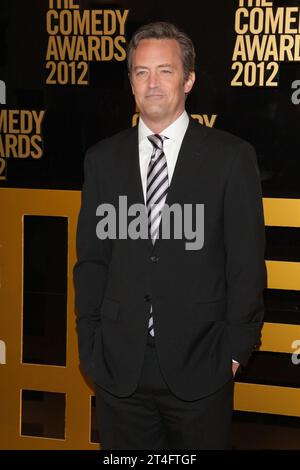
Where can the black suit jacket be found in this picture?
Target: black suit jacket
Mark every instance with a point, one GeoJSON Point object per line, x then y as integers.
{"type": "Point", "coordinates": [207, 304]}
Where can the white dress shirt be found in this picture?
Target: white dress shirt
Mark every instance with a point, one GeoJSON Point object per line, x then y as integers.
{"type": "Point", "coordinates": [175, 133]}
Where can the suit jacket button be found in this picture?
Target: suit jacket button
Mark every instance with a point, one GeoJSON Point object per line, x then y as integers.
{"type": "Point", "coordinates": [154, 259]}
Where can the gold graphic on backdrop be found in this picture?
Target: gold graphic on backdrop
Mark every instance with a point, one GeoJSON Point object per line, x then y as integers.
{"type": "Point", "coordinates": [266, 36]}
{"type": "Point", "coordinates": [20, 135]}
{"type": "Point", "coordinates": [207, 120]}
{"type": "Point", "coordinates": [77, 37]}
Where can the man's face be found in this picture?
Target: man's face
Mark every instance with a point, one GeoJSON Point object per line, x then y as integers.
{"type": "Point", "coordinates": [157, 80]}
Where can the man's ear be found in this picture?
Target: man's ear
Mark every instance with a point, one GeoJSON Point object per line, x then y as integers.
{"type": "Point", "coordinates": [189, 82]}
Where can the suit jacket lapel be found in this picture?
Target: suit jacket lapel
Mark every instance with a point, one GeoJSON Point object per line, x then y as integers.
{"type": "Point", "coordinates": [130, 170]}
{"type": "Point", "coordinates": [131, 175]}
{"type": "Point", "coordinates": [191, 153]}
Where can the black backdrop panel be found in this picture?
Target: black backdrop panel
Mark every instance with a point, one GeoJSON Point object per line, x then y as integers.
{"type": "Point", "coordinates": [78, 115]}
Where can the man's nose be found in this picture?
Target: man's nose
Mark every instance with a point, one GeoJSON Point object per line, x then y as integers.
{"type": "Point", "coordinates": [153, 80]}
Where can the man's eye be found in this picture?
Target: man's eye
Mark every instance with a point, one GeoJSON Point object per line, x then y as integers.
{"type": "Point", "coordinates": [166, 71]}
{"type": "Point", "coordinates": [141, 72]}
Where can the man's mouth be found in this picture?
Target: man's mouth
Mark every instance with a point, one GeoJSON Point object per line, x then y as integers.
{"type": "Point", "coordinates": [154, 96]}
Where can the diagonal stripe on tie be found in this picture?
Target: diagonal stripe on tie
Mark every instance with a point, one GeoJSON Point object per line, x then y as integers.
{"type": "Point", "coordinates": [155, 190]}
{"type": "Point", "coordinates": [155, 169]}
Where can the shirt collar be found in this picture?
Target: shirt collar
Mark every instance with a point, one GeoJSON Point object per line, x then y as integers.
{"type": "Point", "coordinates": [174, 131]}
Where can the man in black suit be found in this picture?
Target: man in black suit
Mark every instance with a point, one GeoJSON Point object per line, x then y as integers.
{"type": "Point", "coordinates": [162, 326]}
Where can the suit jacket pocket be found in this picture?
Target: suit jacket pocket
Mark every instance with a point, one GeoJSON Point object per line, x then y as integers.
{"type": "Point", "coordinates": [211, 311]}
{"type": "Point", "coordinates": [110, 309]}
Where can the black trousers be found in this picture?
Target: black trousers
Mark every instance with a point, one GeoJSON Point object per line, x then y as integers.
{"type": "Point", "coordinates": [154, 418]}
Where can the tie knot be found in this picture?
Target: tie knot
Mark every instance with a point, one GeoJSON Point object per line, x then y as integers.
{"type": "Point", "coordinates": [157, 140]}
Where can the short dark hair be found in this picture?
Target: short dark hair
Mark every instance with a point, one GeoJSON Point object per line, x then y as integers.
{"type": "Point", "coordinates": [164, 30]}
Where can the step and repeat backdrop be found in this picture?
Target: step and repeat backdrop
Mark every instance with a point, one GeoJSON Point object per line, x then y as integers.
{"type": "Point", "coordinates": [64, 82]}
{"type": "Point", "coordinates": [63, 87]}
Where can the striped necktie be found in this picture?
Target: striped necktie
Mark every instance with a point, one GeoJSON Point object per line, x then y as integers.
{"type": "Point", "coordinates": [157, 188]}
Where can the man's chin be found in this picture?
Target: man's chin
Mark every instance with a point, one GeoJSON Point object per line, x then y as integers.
{"type": "Point", "coordinates": [154, 113]}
